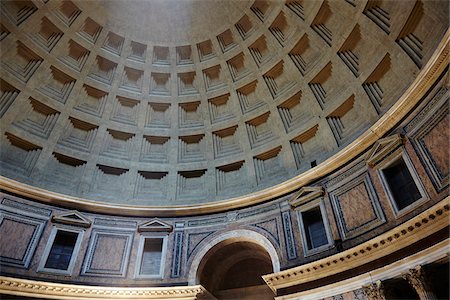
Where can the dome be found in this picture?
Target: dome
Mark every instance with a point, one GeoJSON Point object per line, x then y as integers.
{"type": "Point", "coordinates": [191, 103]}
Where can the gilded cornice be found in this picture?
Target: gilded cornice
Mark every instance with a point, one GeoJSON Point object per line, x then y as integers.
{"type": "Point", "coordinates": [417, 228]}
{"type": "Point", "coordinates": [49, 290]}
{"type": "Point", "coordinates": [405, 104]}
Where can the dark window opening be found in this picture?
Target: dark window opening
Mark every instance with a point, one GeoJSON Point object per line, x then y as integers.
{"type": "Point", "coordinates": [62, 250]}
{"type": "Point", "coordinates": [151, 256]}
{"type": "Point", "coordinates": [316, 235]}
{"type": "Point", "coordinates": [401, 184]}
{"type": "Point", "coordinates": [314, 163]}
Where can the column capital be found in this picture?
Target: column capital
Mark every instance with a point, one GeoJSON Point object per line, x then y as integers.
{"type": "Point", "coordinates": [374, 291]}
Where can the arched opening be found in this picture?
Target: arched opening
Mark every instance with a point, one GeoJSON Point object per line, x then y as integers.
{"type": "Point", "coordinates": [232, 269]}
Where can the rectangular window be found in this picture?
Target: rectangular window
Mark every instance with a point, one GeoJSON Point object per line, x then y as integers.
{"type": "Point", "coordinates": [151, 257]}
{"type": "Point", "coordinates": [401, 183]}
{"type": "Point", "coordinates": [316, 235]}
{"type": "Point", "coordinates": [62, 250]}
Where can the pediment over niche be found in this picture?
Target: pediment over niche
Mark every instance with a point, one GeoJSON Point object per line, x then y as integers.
{"type": "Point", "coordinates": [72, 218]}
{"type": "Point", "coordinates": [155, 225]}
{"type": "Point", "coordinates": [306, 194]}
{"type": "Point", "coordinates": [382, 148]}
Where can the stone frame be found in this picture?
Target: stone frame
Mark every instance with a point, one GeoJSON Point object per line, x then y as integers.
{"type": "Point", "coordinates": [400, 153]}
{"type": "Point", "coordinates": [48, 247]}
{"type": "Point", "coordinates": [140, 253]}
{"type": "Point", "coordinates": [318, 202]}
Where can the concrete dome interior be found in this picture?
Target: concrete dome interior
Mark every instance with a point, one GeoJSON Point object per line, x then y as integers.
{"type": "Point", "coordinates": [172, 103]}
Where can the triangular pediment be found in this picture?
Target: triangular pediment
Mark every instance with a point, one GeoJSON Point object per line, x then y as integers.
{"type": "Point", "coordinates": [155, 225]}
{"type": "Point", "coordinates": [306, 194]}
{"type": "Point", "coordinates": [72, 218]}
{"type": "Point", "coordinates": [382, 148]}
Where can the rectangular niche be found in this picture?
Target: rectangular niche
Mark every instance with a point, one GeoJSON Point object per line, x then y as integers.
{"type": "Point", "coordinates": [132, 79]}
{"type": "Point", "coordinates": [374, 82]}
{"type": "Point", "coordinates": [91, 101]}
{"type": "Point", "coordinates": [138, 52]}
{"type": "Point", "coordinates": [58, 86]}
{"type": "Point", "coordinates": [155, 149]}
{"type": "Point", "coordinates": [268, 165]}
{"type": "Point", "coordinates": [238, 67]}
{"type": "Point", "coordinates": [319, 24]}
{"type": "Point", "coordinates": [38, 120]}
{"type": "Point", "coordinates": [151, 184]}
{"type": "Point", "coordinates": [226, 41]}
{"type": "Point", "coordinates": [23, 63]}
{"type": "Point", "coordinates": [75, 55]}
{"type": "Point", "coordinates": [348, 53]}
{"type": "Point", "coordinates": [103, 70]}
{"type": "Point", "coordinates": [303, 145]}
{"type": "Point", "coordinates": [191, 184]}
{"type": "Point", "coordinates": [113, 43]}
{"type": "Point", "coordinates": [340, 121]}
{"type": "Point", "coordinates": [125, 110]}
{"type": "Point", "coordinates": [187, 84]}
{"type": "Point", "coordinates": [118, 144]}
{"type": "Point", "coordinates": [113, 245]}
{"type": "Point", "coordinates": [184, 55]}
{"type": "Point", "coordinates": [67, 12]}
{"type": "Point", "coordinates": [280, 29]}
{"type": "Point", "coordinates": [357, 207]}
{"type": "Point", "coordinates": [63, 172]}
{"type": "Point", "coordinates": [18, 155]}
{"type": "Point", "coordinates": [205, 50]}
{"type": "Point", "coordinates": [8, 94]}
{"type": "Point", "coordinates": [191, 148]}
{"type": "Point", "coordinates": [160, 84]}
{"type": "Point", "coordinates": [230, 178]}
{"type": "Point", "coordinates": [220, 109]}
{"type": "Point", "coordinates": [20, 236]}
{"type": "Point", "coordinates": [190, 115]}
{"type": "Point", "coordinates": [78, 135]}
{"type": "Point", "coordinates": [213, 78]}
{"type": "Point", "coordinates": [261, 9]}
{"type": "Point", "coordinates": [225, 142]}
{"type": "Point", "coordinates": [245, 27]}
{"type": "Point", "coordinates": [293, 112]}
{"type": "Point", "coordinates": [321, 83]}
{"type": "Point", "coordinates": [260, 50]}
{"type": "Point", "coordinates": [303, 55]}
{"type": "Point", "coordinates": [278, 80]}
{"type": "Point", "coordinates": [18, 11]}
{"type": "Point", "coordinates": [249, 98]}
{"type": "Point", "coordinates": [48, 35]}
{"type": "Point", "coordinates": [109, 181]}
{"type": "Point", "coordinates": [158, 115]}
{"type": "Point", "coordinates": [161, 56]}
{"type": "Point", "coordinates": [296, 7]}
{"type": "Point", "coordinates": [90, 30]}
{"type": "Point", "coordinates": [259, 130]}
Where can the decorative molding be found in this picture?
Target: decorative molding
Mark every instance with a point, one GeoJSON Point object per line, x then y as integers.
{"type": "Point", "coordinates": [289, 235]}
{"type": "Point", "coordinates": [26, 207]}
{"type": "Point", "coordinates": [72, 217]}
{"type": "Point", "coordinates": [306, 194]}
{"type": "Point", "coordinates": [50, 290]}
{"type": "Point", "coordinates": [155, 225]}
{"type": "Point", "coordinates": [383, 148]}
{"type": "Point", "coordinates": [422, 225]}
